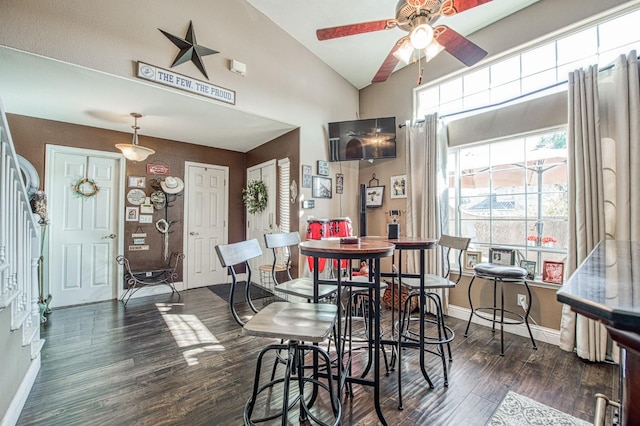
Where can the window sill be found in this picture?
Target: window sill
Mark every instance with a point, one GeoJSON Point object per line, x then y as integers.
{"type": "Point", "coordinates": [532, 283]}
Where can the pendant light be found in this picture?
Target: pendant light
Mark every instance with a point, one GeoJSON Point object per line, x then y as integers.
{"type": "Point", "coordinates": [133, 151]}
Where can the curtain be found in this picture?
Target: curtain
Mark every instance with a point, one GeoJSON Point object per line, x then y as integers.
{"type": "Point", "coordinates": [604, 162]}
{"type": "Point", "coordinates": [426, 159]}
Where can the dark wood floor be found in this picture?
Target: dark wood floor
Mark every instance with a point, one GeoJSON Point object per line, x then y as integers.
{"type": "Point", "coordinates": [165, 361]}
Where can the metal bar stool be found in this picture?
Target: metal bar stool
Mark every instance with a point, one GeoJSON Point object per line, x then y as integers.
{"type": "Point", "coordinates": [299, 326]}
{"type": "Point", "coordinates": [502, 274]}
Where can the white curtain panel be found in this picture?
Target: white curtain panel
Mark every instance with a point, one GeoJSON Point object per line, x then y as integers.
{"type": "Point", "coordinates": [425, 157]}
{"type": "Point", "coordinates": [604, 170]}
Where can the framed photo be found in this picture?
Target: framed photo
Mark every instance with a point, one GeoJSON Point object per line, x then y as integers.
{"type": "Point", "coordinates": [471, 258]}
{"type": "Point", "coordinates": [339, 183]}
{"type": "Point", "coordinates": [399, 186]}
{"type": "Point", "coordinates": [132, 214]}
{"type": "Point", "coordinates": [502, 256]}
{"type": "Point", "coordinates": [323, 168]}
{"type": "Point", "coordinates": [374, 196]}
{"type": "Point", "coordinates": [137, 182]}
{"type": "Point", "coordinates": [308, 204]}
{"type": "Point", "coordinates": [146, 218]}
{"type": "Point", "coordinates": [552, 272]}
{"type": "Point", "coordinates": [530, 266]}
{"type": "Point", "coordinates": [321, 187]}
{"type": "Point", "coordinates": [306, 176]}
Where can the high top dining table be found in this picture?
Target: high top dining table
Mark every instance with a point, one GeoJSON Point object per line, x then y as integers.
{"type": "Point", "coordinates": [373, 250]}
{"type": "Point", "coordinates": [407, 243]}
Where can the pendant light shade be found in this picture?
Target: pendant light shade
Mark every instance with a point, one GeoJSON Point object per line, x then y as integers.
{"type": "Point", "coordinates": [133, 151]}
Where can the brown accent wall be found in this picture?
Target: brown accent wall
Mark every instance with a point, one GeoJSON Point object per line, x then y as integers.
{"type": "Point", "coordinates": [285, 146]}
{"type": "Point", "coordinates": [31, 135]}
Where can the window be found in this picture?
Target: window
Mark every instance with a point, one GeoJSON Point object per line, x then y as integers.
{"type": "Point", "coordinates": [542, 66]}
{"type": "Point", "coordinates": [512, 193]}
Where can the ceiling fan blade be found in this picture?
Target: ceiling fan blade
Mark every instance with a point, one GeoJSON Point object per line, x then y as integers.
{"type": "Point", "coordinates": [459, 46]}
{"type": "Point", "coordinates": [388, 65]}
{"type": "Point", "coordinates": [451, 7]}
{"type": "Point", "coordinates": [353, 29]}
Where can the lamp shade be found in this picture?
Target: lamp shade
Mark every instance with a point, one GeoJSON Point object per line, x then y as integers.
{"type": "Point", "coordinates": [134, 152]}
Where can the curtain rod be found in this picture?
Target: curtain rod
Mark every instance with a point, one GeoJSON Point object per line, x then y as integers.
{"type": "Point", "coordinates": [608, 67]}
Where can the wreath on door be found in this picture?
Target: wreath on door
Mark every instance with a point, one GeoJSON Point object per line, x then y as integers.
{"type": "Point", "coordinates": [255, 196]}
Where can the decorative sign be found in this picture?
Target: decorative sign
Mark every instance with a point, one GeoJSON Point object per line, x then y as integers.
{"type": "Point", "coordinates": [139, 235]}
{"type": "Point", "coordinates": [158, 169]}
{"type": "Point", "coordinates": [188, 84]}
{"type": "Point", "coordinates": [146, 218]}
{"type": "Point", "coordinates": [138, 241]}
{"type": "Point", "coordinates": [139, 248]}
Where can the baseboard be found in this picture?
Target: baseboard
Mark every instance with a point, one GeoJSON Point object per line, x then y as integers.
{"type": "Point", "coordinates": [541, 334]}
{"type": "Point", "coordinates": [153, 290]}
{"type": "Point", "coordinates": [17, 403]}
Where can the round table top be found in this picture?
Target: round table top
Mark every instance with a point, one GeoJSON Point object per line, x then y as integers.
{"type": "Point", "coordinates": [331, 248]}
{"type": "Point", "coordinates": [405, 242]}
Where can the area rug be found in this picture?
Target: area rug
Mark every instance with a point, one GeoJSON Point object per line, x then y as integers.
{"type": "Point", "coordinates": [223, 291]}
{"type": "Point", "coordinates": [518, 410]}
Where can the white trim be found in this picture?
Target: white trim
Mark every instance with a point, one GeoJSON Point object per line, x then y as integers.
{"type": "Point", "coordinates": [540, 334]}
{"type": "Point", "coordinates": [17, 403]}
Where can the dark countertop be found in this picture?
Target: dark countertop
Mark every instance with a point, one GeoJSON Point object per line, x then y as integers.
{"type": "Point", "coordinates": [606, 286]}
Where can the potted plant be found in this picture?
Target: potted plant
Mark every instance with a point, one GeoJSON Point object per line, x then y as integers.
{"type": "Point", "coordinates": [549, 241]}
{"type": "Point", "coordinates": [532, 240]}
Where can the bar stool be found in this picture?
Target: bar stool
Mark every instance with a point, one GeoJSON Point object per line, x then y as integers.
{"type": "Point", "coordinates": [434, 282]}
{"type": "Point", "coordinates": [298, 325]}
{"type": "Point", "coordinates": [503, 274]}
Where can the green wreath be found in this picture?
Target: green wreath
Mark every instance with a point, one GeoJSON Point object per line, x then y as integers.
{"type": "Point", "coordinates": [77, 188]}
{"type": "Point", "coordinates": [255, 196]}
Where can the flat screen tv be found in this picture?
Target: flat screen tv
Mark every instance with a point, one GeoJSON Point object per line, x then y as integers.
{"type": "Point", "coordinates": [368, 139]}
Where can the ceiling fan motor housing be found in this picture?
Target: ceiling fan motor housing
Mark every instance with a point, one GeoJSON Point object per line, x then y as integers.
{"type": "Point", "coordinates": [408, 10]}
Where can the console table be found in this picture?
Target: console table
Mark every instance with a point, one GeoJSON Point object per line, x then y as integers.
{"type": "Point", "coordinates": [606, 287]}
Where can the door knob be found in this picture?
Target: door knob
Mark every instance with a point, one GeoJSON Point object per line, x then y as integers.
{"type": "Point", "coordinates": [112, 236]}
{"type": "Point", "coordinates": [193, 233]}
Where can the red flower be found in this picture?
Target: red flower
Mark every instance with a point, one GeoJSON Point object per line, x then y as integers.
{"type": "Point", "coordinates": [532, 238]}
{"type": "Point", "coordinates": [549, 240]}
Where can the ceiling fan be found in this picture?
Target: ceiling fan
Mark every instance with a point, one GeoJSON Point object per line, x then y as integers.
{"type": "Point", "coordinates": [417, 18]}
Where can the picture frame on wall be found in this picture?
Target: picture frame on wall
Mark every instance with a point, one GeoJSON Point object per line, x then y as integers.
{"type": "Point", "coordinates": [374, 196]}
{"type": "Point", "coordinates": [339, 183]}
{"type": "Point", "coordinates": [132, 214]}
{"type": "Point", "coordinates": [552, 272]}
{"type": "Point", "coordinates": [323, 168]}
{"type": "Point", "coordinates": [321, 187]}
{"type": "Point", "coordinates": [399, 186]}
{"type": "Point", "coordinates": [530, 266]}
{"type": "Point", "coordinates": [306, 176]}
{"type": "Point", "coordinates": [137, 182]}
{"type": "Point", "coordinates": [471, 259]}
{"type": "Point", "coordinates": [502, 256]}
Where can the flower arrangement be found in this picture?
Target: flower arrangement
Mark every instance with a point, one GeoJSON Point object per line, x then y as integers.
{"type": "Point", "coordinates": [532, 240]}
{"type": "Point", "coordinates": [255, 196]}
{"type": "Point", "coordinates": [549, 241]}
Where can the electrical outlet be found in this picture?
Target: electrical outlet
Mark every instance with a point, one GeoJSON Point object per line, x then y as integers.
{"type": "Point", "coordinates": [522, 300]}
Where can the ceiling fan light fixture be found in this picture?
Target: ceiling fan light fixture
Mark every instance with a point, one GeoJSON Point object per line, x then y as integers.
{"type": "Point", "coordinates": [432, 50]}
{"type": "Point", "coordinates": [405, 52]}
{"type": "Point", "coordinates": [134, 151]}
{"type": "Point", "coordinates": [422, 34]}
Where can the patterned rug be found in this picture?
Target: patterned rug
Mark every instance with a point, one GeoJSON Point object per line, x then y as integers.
{"type": "Point", "coordinates": [518, 410]}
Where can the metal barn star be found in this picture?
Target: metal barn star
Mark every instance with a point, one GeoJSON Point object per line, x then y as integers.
{"type": "Point", "coordinates": [189, 49]}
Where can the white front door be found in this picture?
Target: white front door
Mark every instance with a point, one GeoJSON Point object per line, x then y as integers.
{"type": "Point", "coordinates": [206, 205]}
{"type": "Point", "coordinates": [83, 239]}
{"type": "Point", "coordinates": [259, 224]}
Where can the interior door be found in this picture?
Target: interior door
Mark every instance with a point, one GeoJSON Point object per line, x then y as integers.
{"type": "Point", "coordinates": [206, 205]}
{"type": "Point", "coordinates": [83, 241]}
{"type": "Point", "coordinates": [259, 224]}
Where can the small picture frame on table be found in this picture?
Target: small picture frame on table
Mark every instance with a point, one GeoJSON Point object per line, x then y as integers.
{"type": "Point", "coordinates": [339, 183]}
{"type": "Point", "coordinates": [471, 259]}
{"type": "Point", "coordinates": [374, 196]}
{"type": "Point", "coordinates": [530, 266]}
{"type": "Point", "coordinates": [137, 182]}
{"type": "Point", "coordinates": [552, 272]}
{"type": "Point", "coordinates": [502, 256]}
